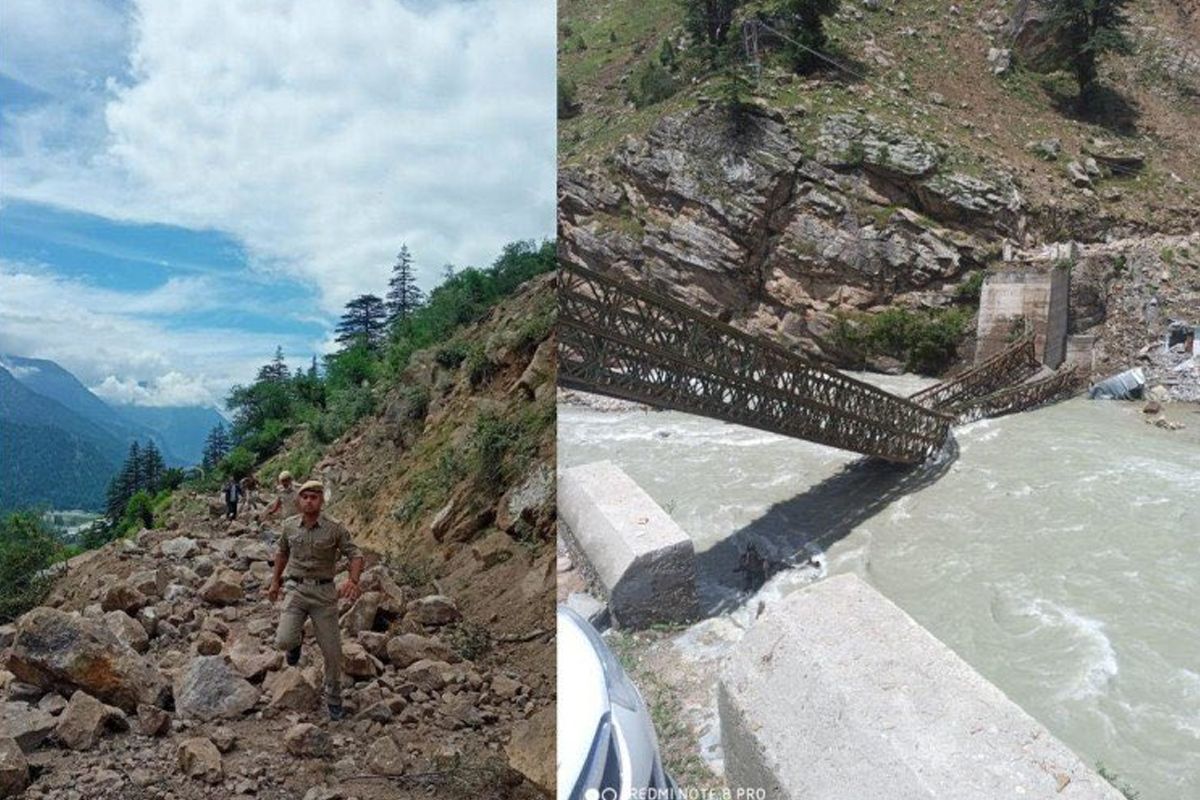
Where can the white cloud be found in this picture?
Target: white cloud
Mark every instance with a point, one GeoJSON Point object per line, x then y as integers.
{"type": "Point", "coordinates": [321, 135]}
{"type": "Point", "coordinates": [122, 343]}
{"type": "Point", "coordinates": [171, 389]}
{"type": "Point", "coordinates": [90, 39]}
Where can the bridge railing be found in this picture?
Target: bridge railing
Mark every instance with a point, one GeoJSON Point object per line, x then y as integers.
{"type": "Point", "coordinates": [1065, 381]}
{"type": "Point", "coordinates": [1008, 367]}
{"type": "Point", "coordinates": [623, 341]}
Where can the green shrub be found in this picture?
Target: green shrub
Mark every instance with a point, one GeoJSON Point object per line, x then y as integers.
{"type": "Point", "coordinates": [26, 548]}
{"type": "Point", "coordinates": [490, 442]}
{"type": "Point", "coordinates": [469, 640]}
{"type": "Point", "coordinates": [238, 463]}
{"type": "Point", "coordinates": [926, 341]}
{"type": "Point", "coordinates": [139, 513]}
{"type": "Point", "coordinates": [650, 83]}
{"type": "Point", "coordinates": [667, 55]}
{"type": "Point", "coordinates": [416, 401]}
{"type": "Point", "coordinates": [480, 368]}
{"type": "Point", "coordinates": [299, 461]}
{"type": "Point", "coordinates": [451, 355]}
{"type": "Point", "coordinates": [970, 289]}
{"type": "Point", "coordinates": [568, 102]}
{"type": "Point", "coordinates": [430, 487]}
{"type": "Point", "coordinates": [346, 407]}
{"type": "Point", "coordinates": [415, 574]}
{"type": "Point", "coordinates": [536, 328]}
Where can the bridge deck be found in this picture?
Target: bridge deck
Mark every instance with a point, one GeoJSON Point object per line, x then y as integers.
{"type": "Point", "coordinates": [1012, 365]}
{"type": "Point", "coordinates": [623, 341]}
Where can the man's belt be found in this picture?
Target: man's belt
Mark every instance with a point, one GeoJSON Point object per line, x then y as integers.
{"type": "Point", "coordinates": [318, 581]}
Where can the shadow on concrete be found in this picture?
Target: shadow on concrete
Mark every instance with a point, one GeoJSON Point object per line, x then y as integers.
{"type": "Point", "coordinates": [790, 534]}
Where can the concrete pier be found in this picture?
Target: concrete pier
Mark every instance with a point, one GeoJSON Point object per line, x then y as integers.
{"type": "Point", "coordinates": [1012, 298]}
{"type": "Point", "coordinates": [836, 693]}
{"type": "Point", "coordinates": [645, 561]}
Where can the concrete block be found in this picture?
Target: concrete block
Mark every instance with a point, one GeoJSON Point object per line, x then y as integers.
{"type": "Point", "coordinates": [838, 694]}
{"type": "Point", "coordinates": [645, 561]}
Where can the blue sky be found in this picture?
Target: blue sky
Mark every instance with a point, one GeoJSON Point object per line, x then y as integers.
{"type": "Point", "coordinates": [185, 185]}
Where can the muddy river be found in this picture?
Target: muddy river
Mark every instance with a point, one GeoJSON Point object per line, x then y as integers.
{"type": "Point", "coordinates": [1056, 551]}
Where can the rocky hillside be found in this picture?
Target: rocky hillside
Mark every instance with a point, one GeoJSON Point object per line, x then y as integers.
{"type": "Point", "coordinates": [149, 671]}
{"type": "Point", "coordinates": [934, 154]}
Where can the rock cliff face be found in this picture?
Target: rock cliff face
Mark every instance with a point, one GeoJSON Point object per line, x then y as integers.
{"type": "Point", "coordinates": [150, 670]}
{"type": "Point", "coordinates": [732, 217]}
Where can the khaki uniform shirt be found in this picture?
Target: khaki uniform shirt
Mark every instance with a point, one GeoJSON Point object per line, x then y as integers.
{"type": "Point", "coordinates": [313, 552]}
{"type": "Point", "coordinates": [289, 502]}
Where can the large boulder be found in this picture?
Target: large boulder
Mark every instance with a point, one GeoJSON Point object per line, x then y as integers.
{"type": "Point", "coordinates": [307, 741]}
{"type": "Point", "coordinates": [1035, 45]}
{"type": "Point", "coordinates": [122, 597]}
{"type": "Point", "coordinates": [59, 651]}
{"type": "Point", "coordinates": [409, 648]}
{"type": "Point", "coordinates": [223, 588]}
{"type": "Point", "coordinates": [209, 688]}
{"type": "Point", "coordinates": [199, 758]}
{"type": "Point", "coordinates": [85, 720]}
{"type": "Point", "coordinates": [27, 725]}
{"type": "Point", "coordinates": [128, 630]}
{"type": "Point", "coordinates": [531, 749]}
{"type": "Point", "coordinates": [428, 675]}
{"type": "Point", "coordinates": [14, 769]}
{"type": "Point", "coordinates": [251, 660]}
{"type": "Point", "coordinates": [384, 757]}
{"type": "Point", "coordinates": [179, 547]}
{"type": "Point", "coordinates": [434, 609]}
{"type": "Point", "coordinates": [292, 689]}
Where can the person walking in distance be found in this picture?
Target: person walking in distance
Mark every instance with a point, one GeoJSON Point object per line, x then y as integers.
{"type": "Point", "coordinates": [285, 500]}
{"type": "Point", "coordinates": [309, 546]}
{"type": "Point", "coordinates": [249, 485]}
{"type": "Point", "coordinates": [233, 493]}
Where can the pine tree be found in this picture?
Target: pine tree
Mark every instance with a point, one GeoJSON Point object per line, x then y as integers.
{"type": "Point", "coordinates": [215, 446]}
{"type": "Point", "coordinates": [362, 322]}
{"type": "Point", "coordinates": [803, 23]}
{"type": "Point", "coordinates": [403, 294]}
{"type": "Point", "coordinates": [709, 22]}
{"type": "Point", "coordinates": [124, 484]}
{"type": "Point", "coordinates": [1087, 29]}
{"type": "Point", "coordinates": [277, 370]}
{"type": "Point", "coordinates": [152, 468]}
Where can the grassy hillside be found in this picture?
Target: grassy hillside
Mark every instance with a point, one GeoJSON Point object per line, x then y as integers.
{"type": "Point", "coordinates": [923, 65]}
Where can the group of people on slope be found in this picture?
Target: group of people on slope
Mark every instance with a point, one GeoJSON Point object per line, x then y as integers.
{"type": "Point", "coordinates": [308, 548]}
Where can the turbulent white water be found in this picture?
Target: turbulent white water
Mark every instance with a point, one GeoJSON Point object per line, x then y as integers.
{"type": "Point", "coordinates": [1058, 553]}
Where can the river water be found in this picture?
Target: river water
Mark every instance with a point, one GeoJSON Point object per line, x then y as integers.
{"type": "Point", "coordinates": [1056, 551]}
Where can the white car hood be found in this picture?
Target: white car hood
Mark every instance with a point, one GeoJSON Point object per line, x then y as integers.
{"type": "Point", "coordinates": [582, 701]}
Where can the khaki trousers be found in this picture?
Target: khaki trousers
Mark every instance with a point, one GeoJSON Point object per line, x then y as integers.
{"type": "Point", "coordinates": [318, 601]}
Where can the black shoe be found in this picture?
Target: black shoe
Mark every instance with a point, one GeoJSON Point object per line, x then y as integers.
{"type": "Point", "coordinates": [336, 711]}
{"type": "Point", "coordinates": [293, 656]}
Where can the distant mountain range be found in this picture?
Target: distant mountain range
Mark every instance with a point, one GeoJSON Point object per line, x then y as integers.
{"type": "Point", "coordinates": [60, 444]}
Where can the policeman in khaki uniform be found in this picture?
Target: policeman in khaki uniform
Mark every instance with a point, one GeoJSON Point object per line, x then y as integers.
{"type": "Point", "coordinates": [286, 501]}
{"type": "Point", "coordinates": [309, 546]}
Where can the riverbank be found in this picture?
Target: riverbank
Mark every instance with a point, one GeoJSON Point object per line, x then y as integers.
{"type": "Point", "coordinates": [1053, 553]}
